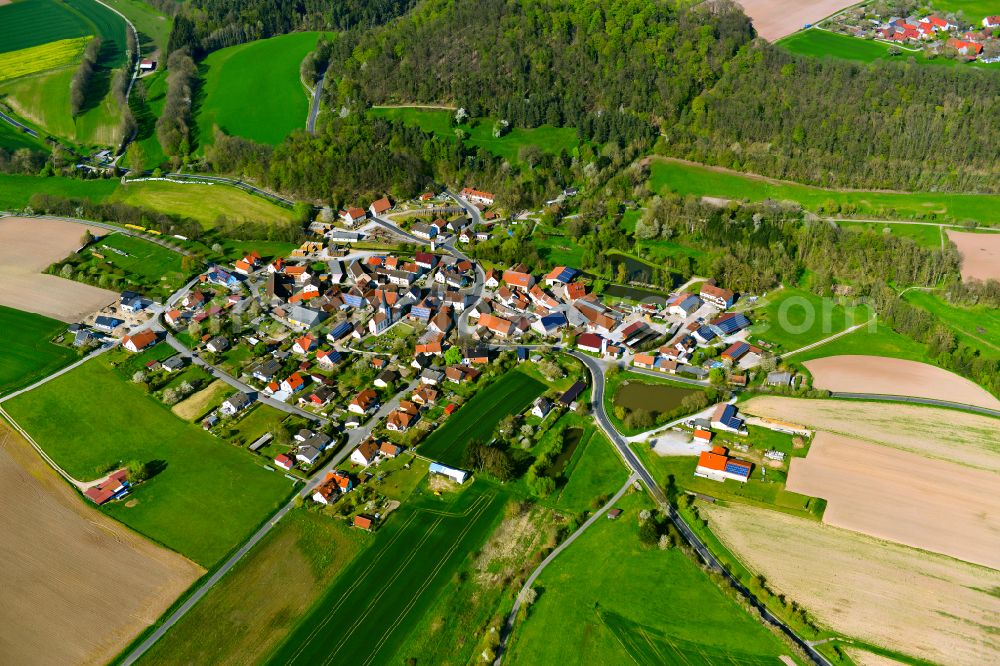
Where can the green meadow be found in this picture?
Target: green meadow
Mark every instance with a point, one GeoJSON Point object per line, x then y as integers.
{"type": "Point", "coordinates": [147, 267]}
{"type": "Point", "coordinates": [879, 340]}
{"type": "Point", "coordinates": [477, 418]}
{"type": "Point", "coordinates": [371, 609]}
{"type": "Point", "coordinates": [153, 26]}
{"type": "Point", "coordinates": [254, 90]}
{"type": "Point", "coordinates": [12, 139]}
{"type": "Point", "coordinates": [977, 327]}
{"type": "Point", "coordinates": [479, 132]}
{"type": "Point", "coordinates": [698, 180]}
{"type": "Point", "coordinates": [30, 23]}
{"type": "Point", "coordinates": [922, 234]}
{"type": "Point", "coordinates": [607, 599]}
{"type": "Point", "coordinates": [204, 203]}
{"type": "Point", "coordinates": [28, 352]}
{"type": "Point", "coordinates": [823, 43]}
{"type": "Point", "coordinates": [198, 478]}
{"type": "Point", "coordinates": [16, 190]}
{"type": "Point", "coordinates": [793, 318]}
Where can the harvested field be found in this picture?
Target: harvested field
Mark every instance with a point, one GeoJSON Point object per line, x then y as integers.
{"type": "Point", "coordinates": [774, 19]}
{"type": "Point", "coordinates": [980, 254]}
{"type": "Point", "coordinates": [921, 604]}
{"type": "Point", "coordinates": [971, 440]}
{"type": "Point", "coordinates": [77, 585]}
{"type": "Point", "coordinates": [891, 494]}
{"type": "Point", "coordinates": [197, 405]}
{"type": "Point", "coordinates": [894, 376]}
{"type": "Point", "coordinates": [29, 246]}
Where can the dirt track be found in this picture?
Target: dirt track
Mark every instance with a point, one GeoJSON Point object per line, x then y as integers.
{"type": "Point", "coordinates": [775, 19]}
{"type": "Point", "coordinates": [77, 586]}
{"type": "Point", "coordinates": [980, 254]}
{"type": "Point", "coordinates": [894, 376]}
{"type": "Point", "coordinates": [29, 246]}
{"type": "Point", "coordinates": [922, 604]}
{"type": "Point", "coordinates": [899, 496]}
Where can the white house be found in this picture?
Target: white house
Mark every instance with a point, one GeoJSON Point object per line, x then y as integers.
{"type": "Point", "coordinates": [235, 404]}
{"type": "Point", "coordinates": [365, 454]}
{"type": "Point", "coordinates": [541, 407]}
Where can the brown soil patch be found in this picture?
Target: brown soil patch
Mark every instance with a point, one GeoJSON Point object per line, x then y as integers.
{"type": "Point", "coordinates": [503, 554]}
{"type": "Point", "coordinates": [29, 246]}
{"type": "Point", "coordinates": [980, 254]}
{"type": "Point", "coordinates": [77, 586]}
{"type": "Point", "coordinates": [775, 19]}
{"type": "Point", "coordinates": [918, 603]}
{"type": "Point", "coordinates": [891, 494]}
{"type": "Point", "coordinates": [938, 434]}
{"type": "Point", "coordinates": [198, 403]}
{"type": "Point", "coordinates": [862, 658]}
{"type": "Point", "coordinates": [894, 376]}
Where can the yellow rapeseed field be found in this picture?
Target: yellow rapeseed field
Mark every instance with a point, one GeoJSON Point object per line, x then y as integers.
{"type": "Point", "coordinates": [16, 64]}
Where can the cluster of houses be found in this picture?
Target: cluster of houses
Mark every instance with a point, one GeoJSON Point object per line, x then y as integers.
{"type": "Point", "coordinates": [716, 464]}
{"type": "Point", "coordinates": [933, 31]}
{"type": "Point", "coordinates": [308, 449]}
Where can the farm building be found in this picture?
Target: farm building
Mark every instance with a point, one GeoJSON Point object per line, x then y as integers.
{"type": "Point", "coordinates": [112, 488]}
{"type": "Point", "coordinates": [717, 296]}
{"type": "Point", "coordinates": [572, 393]}
{"type": "Point", "coordinates": [718, 466]}
{"type": "Point", "coordinates": [724, 418]}
{"type": "Point", "coordinates": [591, 342]}
{"type": "Point", "coordinates": [455, 474]}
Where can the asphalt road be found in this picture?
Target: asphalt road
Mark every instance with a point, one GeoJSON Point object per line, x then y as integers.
{"type": "Point", "coordinates": [23, 128]}
{"type": "Point", "coordinates": [918, 401]}
{"type": "Point", "coordinates": [597, 399]}
{"type": "Point", "coordinates": [314, 105]}
{"type": "Point", "coordinates": [237, 384]}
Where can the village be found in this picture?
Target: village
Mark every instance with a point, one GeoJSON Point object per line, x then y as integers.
{"type": "Point", "coordinates": [365, 352]}
{"type": "Point", "coordinates": [944, 35]}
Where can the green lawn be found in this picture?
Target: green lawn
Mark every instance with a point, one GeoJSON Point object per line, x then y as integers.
{"type": "Point", "coordinates": [767, 491]}
{"type": "Point", "coordinates": [977, 327]}
{"type": "Point", "coordinates": [92, 417]}
{"type": "Point", "coordinates": [30, 23]}
{"type": "Point", "coordinates": [609, 600]}
{"type": "Point", "coordinates": [880, 341]}
{"type": "Point", "coordinates": [974, 10]}
{"type": "Point", "coordinates": [28, 353]}
{"type": "Point", "coordinates": [547, 138]}
{"type": "Point", "coordinates": [477, 418]}
{"type": "Point", "coordinates": [152, 25]}
{"type": "Point", "coordinates": [148, 267]}
{"type": "Point", "coordinates": [43, 99]}
{"type": "Point", "coordinates": [683, 178]}
{"type": "Point", "coordinates": [923, 235]}
{"type": "Point", "coordinates": [16, 190]}
{"type": "Point", "coordinates": [204, 203]}
{"type": "Point", "coordinates": [371, 609]}
{"type": "Point", "coordinates": [596, 470]}
{"type": "Point", "coordinates": [821, 43]}
{"type": "Point", "coordinates": [264, 595]}
{"type": "Point", "coordinates": [794, 318]}
{"type": "Point", "coordinates": [12, 139]}
{"type": "Point", "coordinates": [254, 89]}
{"type": "Point", "coordinates": [557, 249]}
{"type": "Point", "coordinates": [146, 111]}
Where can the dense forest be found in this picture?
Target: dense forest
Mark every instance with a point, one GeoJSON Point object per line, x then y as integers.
{"type": "Point", "coordinates": [354, 159]}
{"type": "Point", "coordinates": [598, 66]}
{"type": "Point", "coordinates": [888, 125]}
{"type": "Point", "coordinates": [623, 71]}
{"type": "Point", "coordinates": [207, 25]}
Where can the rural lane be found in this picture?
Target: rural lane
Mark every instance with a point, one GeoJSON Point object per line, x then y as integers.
{"type": "Point", "coordinates": [596, 370]}
{"type": "Point", "coordinates": [354, 438]}
{"type": "Point", "coordinates": [314, 105]}
{"type": "Point", "coordinates": [512, 616]}
{"type": "Point", "coordinates": [932, 402]}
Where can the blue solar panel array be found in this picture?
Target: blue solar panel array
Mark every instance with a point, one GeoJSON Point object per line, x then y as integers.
{"type": "Point", "coordinates": [736, 468]}
{"type": "Point", "coordinates": [728, 325]}
{"type": "Point", "coordinates": [567, 274]}
{"type": "Point", "coordinates": [706, 333]}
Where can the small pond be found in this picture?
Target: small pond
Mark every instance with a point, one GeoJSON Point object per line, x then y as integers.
{"type": "Point", "coordinates": [571, 440]}
{"type": "Point", "coordinates": [651, 397]}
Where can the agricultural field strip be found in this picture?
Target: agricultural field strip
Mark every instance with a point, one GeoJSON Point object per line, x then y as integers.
{"type": "Point", "coordinates": [423, 586]}
{"type": "Point", "coordinates": [15, 64]}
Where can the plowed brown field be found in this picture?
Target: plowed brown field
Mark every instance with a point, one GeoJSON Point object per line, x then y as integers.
{"type": "Point", "coordinates": [77, 586]}
{"type": "Point", "coordinates": [27, 247]}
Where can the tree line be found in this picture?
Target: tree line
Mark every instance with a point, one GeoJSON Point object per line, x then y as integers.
{"type": "Point", "coordinates": [175, 125]}
{"type": "Point", "coordinates": [83, 78]}
{"type": "Point", "coordinates": [203, 26]}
